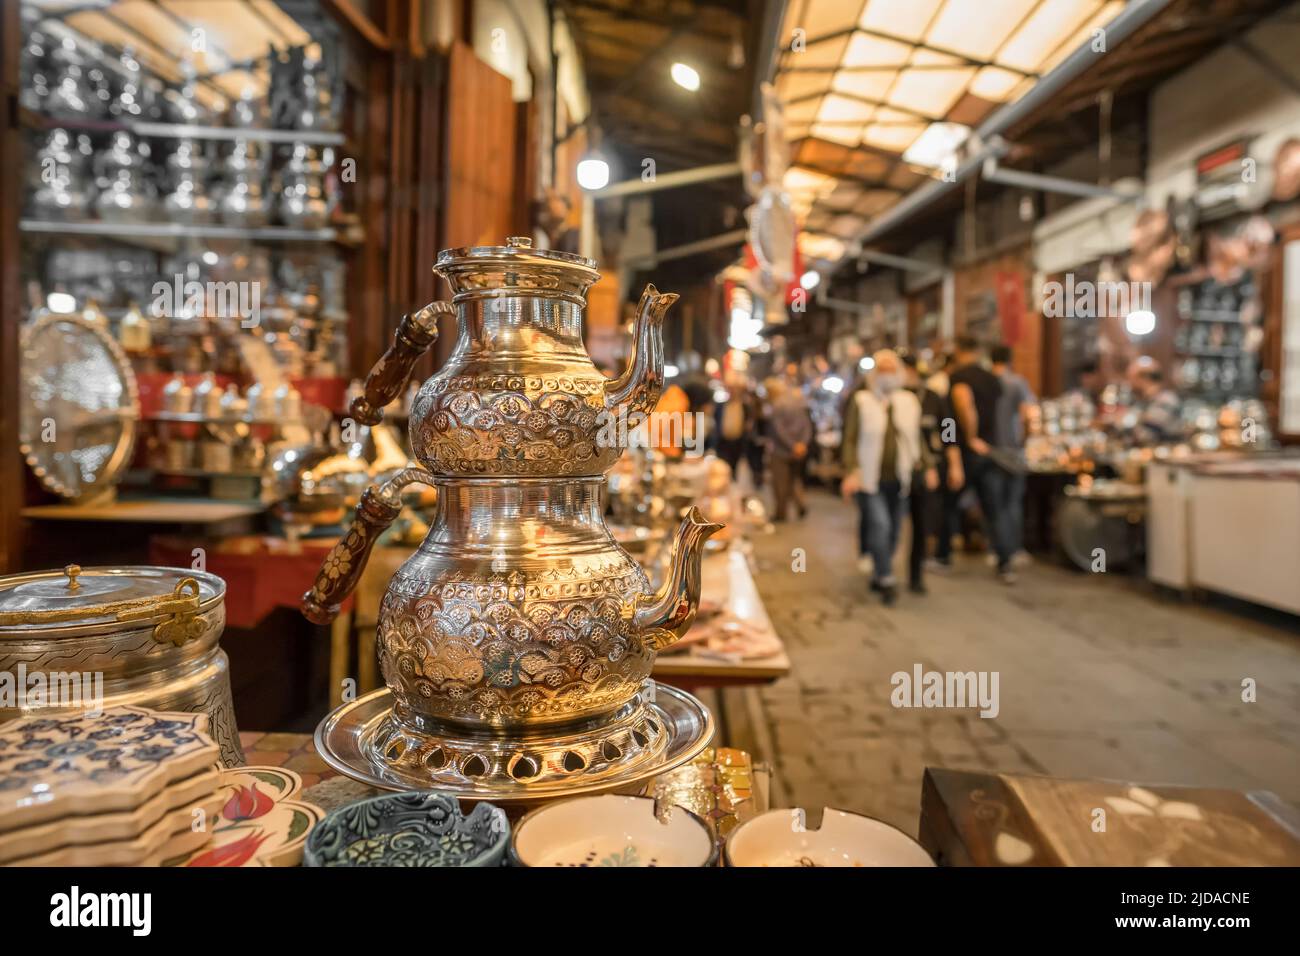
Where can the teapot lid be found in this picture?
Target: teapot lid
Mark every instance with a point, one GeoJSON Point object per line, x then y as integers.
{"type": "Point", "coordinates": [516, 267]}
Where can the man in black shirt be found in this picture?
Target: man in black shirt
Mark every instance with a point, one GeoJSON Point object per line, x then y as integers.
{"type": "Point", "coordinates": [974, 393]}
{"type": "Point", "coordinates": [925, 498]}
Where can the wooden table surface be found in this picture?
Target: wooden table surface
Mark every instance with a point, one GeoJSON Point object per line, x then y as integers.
{"type": "Point", "coordinates": [984, 819]}
{"type": "Point", "coordinates": [728, 580]}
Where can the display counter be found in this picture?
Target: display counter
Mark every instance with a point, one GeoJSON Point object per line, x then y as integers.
{"type": "Point", "coordinates": [1227, 525]}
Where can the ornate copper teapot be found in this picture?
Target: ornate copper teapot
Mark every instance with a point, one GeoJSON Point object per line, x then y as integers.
{"type": "Point", "coordinates": [518, 610]}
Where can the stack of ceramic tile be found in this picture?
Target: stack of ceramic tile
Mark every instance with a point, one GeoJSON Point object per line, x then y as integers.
{"type": "Point", "coordinates": [129, 787]}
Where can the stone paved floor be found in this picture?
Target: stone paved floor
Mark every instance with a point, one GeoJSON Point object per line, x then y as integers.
{"type": "Point", "coordinates": [1099, 676]}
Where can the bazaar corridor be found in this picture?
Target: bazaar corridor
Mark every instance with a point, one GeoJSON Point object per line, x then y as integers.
{"type": "Point", "coordinates": [1102, 679]}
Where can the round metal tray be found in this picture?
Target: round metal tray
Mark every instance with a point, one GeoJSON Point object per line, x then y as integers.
{"type": "Point", "coordinates": [660, 730]}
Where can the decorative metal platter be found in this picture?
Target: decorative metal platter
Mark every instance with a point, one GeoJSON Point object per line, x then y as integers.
{"type": "Point", "coordinates": [659, 731]}
{"type": "Point", "coordinates": [80, 406]}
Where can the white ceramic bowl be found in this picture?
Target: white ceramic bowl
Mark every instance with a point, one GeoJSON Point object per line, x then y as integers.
{"type": "Point", "coordinates": [611, 830]}
{"type": "Point", "coordinates": [782, 838]}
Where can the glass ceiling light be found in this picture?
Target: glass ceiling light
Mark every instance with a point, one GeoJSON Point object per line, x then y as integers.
{"type": "Point", "coordinates": [61, 303]}
{"type": "Point", "coordinates": [937, 145]}
{"type": "Point", "coordinates": [1142, 322]}
{"type": "Point", "coordinates": [686, 77]}
{"type": "Point", "coordinates": [593, 173]}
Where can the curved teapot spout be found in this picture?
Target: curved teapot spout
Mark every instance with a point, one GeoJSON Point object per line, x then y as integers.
{"type": "Point", "coordinates": [665, 616]}
{"type": "Point", "coordinates": [638, 388]}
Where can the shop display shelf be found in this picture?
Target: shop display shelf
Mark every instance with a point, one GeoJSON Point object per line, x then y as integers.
{"type": "Point", "coordinates": [202, 473]}
{"type": "Point", "coordinates": [163, 130]}
{"type": "Point", "coordinates": [1212, 353]}
{"type": "Point", "coordinates": [194, 418]}
{"type": "Point", "coordinates": [1211, 316]}
{"type": "Point", "coordinates": [167, 234]}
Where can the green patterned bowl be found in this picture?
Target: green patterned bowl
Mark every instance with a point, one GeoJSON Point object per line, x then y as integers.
{"type": "Point", "coordinates": [422, 828]}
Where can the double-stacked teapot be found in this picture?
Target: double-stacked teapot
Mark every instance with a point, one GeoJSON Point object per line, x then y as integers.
{"type": "Point", "coordinates": [518, 610]}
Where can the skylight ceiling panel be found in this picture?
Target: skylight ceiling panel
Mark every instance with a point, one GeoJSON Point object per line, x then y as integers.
{"type": "Point", "coordinates": [847, 135]}
{"type": "Point", "coordinates": [873, 85]}
{"type": "Point", "coordinates": [841, 119]}
{"type": "Point", "coordinates": [149, 21]}
{"type": "Point", "coordinates": [824, 54]}
{"type": "Point", "coordinates": [976, 28]}
{"type": "Point", "coordinates": [930, 92]}
{"type": "Point", "coordinates": [995, 84]}
{"type": "Point", "coordinates": [1083, 35]}
{"type": "Point", "coordinates": [1045, 29]}
{"type": "Point", "coordinates": [99, 28]}
{"type": "Point", "coordinates": [286, 28]}
{"type": "Point", "coordinates": [802, 111]}
{"type": "Point", "coordinates": [793, 87]}
{"type": "Point", "coordinates": [798, 180]}
{"type": "Point", "coordinates": [821, 17]}
{"type": "Point", "coordinates": [893, 138]}
{"type": "Point", "coordinates": [232, 28]}
{"type": "Point", "coordinates": [907, 19]}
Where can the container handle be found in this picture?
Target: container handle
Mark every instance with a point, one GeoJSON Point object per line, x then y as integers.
{"type": "Point", "coordinates": [415, 333]}
{"type": "Point", "coordinates": [339, 574]}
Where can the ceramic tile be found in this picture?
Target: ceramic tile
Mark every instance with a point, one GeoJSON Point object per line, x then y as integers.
{"type": "Point", "coordinates": [52, 767]}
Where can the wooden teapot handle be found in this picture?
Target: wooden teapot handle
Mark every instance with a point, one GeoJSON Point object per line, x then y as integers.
{"type": "Point", "coordinates": [415, 333]}
{"type": "Point", "coordinates": [339, 574]}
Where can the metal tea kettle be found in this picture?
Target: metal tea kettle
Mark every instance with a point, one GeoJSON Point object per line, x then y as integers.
{"type": "Point", "coordinates": [519, 609]}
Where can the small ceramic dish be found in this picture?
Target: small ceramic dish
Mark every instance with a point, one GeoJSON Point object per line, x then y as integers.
{"type": "Point", "coordinates": [423, 828]}
{"type": "Point", "coordinates": [260, 822]}
{"type": "Point", "coordinates": [782, 838]}
{"type": "Point", "coordinates": [611, 830]}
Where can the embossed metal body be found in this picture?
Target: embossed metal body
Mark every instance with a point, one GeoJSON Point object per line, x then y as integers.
{"type": "Point", "coordinates": [520, 609]}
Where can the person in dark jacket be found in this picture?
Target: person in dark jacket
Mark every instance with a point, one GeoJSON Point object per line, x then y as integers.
{"type": "Point", "coordinates": [926, 498]}
{"type": "Point", "coordinates": [790, 434]}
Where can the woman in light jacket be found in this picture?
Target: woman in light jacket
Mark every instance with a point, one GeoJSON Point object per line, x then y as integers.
{"type": "Point", "coordinates": [882, 448]}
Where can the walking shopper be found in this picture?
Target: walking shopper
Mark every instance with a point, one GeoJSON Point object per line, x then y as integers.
{"type": "Point", "coordinates": [975, 392]}
{"type": "Point", "coordinates": [789, 428]}
{"type": "Point", "coordinates": [1014, 407]}
{"type": "Point", "coordinates": [927, 496]}
{"type": "Point", "coordinates": [735, 425]}
{"type": "Point", "coordinates": [882, 450]}
{"type": "Point", "coordinates": [950, 483]}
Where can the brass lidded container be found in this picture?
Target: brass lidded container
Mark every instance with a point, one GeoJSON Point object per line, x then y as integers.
{"type": "Point", "coordinates": [96, 638]}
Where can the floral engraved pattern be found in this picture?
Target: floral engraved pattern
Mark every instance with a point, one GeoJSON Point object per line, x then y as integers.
{"type": "Point", "coordinates": [468, 425]}
{"type": "Point", "coordinates": [514, 647]}
{"type": "Point", "coordinates": [46, 759]}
